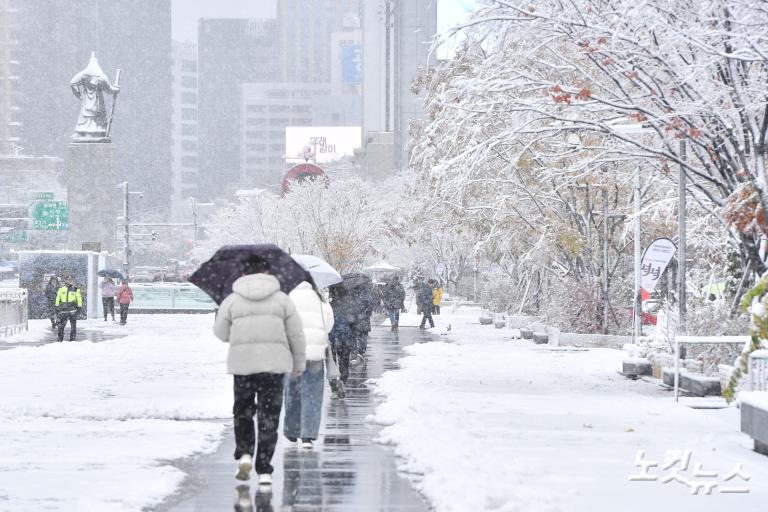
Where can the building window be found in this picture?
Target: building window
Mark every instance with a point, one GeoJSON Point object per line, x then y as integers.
{"type": "Point", "coordinates": [301, 109]}
{"type": "Point", "coordinates": [275, 161]}
{"type": "Point", "coordinates": [253, 135]}
{"type": "Point", "coordinates": [276, 109]}
{"type": "Point", "coordinates": [255, 121]}
{"type": "Point", "coordinates": [189, 98]}
{"type": "Point", "coordinates": [276, 135]}
{"type": "Point", "coordinates": [189, 129]}
{"type": "Point", "coordinates": [189, 161]}
{"type": "Point", "coordinates": [189, 82]}
{"type": "Point", "coordinates": [256, 108]}
{"type": "Point", "coordinates": [189, 114]}
{"type": "Point", "coordinates": [189, 145]}
{"type": "Point", "coordinates": [256, 147]}
{"type": "Point", "coordinates": [304, 121]}
{"type": "Point", "coordinates": [277, 147]}
{"type": "Point", "coordinates": [189, 66]}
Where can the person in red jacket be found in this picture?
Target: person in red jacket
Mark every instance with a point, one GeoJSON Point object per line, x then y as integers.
{"type": "Point", "coordinates": [124, 298]}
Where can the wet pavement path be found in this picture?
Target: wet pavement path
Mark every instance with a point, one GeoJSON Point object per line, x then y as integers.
{"type": "Point", "coordinates": [95, 331]}
{"type": "Point", "coordinates": [345, 472]}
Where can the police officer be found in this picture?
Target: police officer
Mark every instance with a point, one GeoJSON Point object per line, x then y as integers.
{"type": "Point", "coordinates": [68, 305]}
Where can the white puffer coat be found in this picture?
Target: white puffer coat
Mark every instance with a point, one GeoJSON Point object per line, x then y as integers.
{"type": "Point", "coordinates": [316, 317]}
{"type": "Point", "coordinates": [262, 327]}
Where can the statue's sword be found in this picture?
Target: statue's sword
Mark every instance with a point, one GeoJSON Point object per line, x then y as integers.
{"type": "Point", "coordinates": [114, 100]}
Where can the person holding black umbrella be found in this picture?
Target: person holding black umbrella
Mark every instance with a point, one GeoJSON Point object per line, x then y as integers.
{"type": "Point", "coordinates": [266, 341]}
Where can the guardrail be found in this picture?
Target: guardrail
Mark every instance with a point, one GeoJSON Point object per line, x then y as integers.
{"type": "Point", "coordinates": [14, 311]}
{"type": "Point", "coordinates": [169, 297]}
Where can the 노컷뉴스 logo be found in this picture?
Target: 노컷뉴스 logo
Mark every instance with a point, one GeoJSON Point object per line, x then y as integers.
{"type": "Point", "coordinates": [676, 466]}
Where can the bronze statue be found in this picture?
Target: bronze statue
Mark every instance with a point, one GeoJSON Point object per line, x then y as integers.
{"type": "Point", "coordinates": [89, 86]}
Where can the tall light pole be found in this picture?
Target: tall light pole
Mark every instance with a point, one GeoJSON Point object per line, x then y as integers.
{"type": "Point", "coordinates": [681, 221]}
{"type": "Point", "coordinates": [637, 329]}
{"type": "Point", "coordinates": [126, 227]}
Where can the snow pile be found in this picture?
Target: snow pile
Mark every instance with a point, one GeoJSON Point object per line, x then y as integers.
{"type": "Point", "coordinates": [492, 424]}
{"type": "Point", "coordinates": [90, 426]}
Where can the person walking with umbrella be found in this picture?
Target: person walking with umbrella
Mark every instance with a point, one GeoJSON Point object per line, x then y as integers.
{"type": "Point", "coordinates": [108, 290]}
{"type": "Point", "coordinates": [304, 395]}
{"type": "Point", "coordinates": [266, 341]}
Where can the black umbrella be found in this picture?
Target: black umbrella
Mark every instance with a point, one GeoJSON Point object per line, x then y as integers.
{"type": "Point", "coordinates": [110, 272]}
{"type": "Point", "coordinates": [355, 280]}
{"type": "Point", "coordinates": [216, 276]}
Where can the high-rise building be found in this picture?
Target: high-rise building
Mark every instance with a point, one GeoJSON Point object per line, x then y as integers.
{"type": "Point", "coordinates": [9, 76]}
{"type": "Point", "coordinates": [56, 39]}
{"type": "Point", "coordinates": [184, 138]}
{"type": "Point", "coordinates": [305, 36]}
{"type": "Point", "coordinates": [267, 109]}
{"type": "Point", "coordinates": [397, 39]}
{"type": "Point", "coordinates": [231, 52]}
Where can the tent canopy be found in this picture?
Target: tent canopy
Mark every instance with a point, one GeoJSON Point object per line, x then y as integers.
{"type": "Point", "coordinates": [381, 266]}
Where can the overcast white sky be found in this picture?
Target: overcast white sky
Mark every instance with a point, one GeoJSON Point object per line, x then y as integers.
{"type": "Point", "coordinates": [187, 12]}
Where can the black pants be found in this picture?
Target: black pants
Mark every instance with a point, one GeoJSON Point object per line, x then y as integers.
{"type": "Point", "coordinates": [341, 351]}
{"type": "Point", "coordinates": [123, 313]}
{"type": "Point", "coordinates": [359, 341]}
{"type": "Point", "coordinates": [436, 310]}
{"type": "Point", "coordinates": [267, 388]}
{"type": "Point", "coordinates": [52, 315]}
{"type": "Point", "coordinates": [72, 317]}
{"type": "Point", "coordinates": [108, 303]}
{"type": "Point", "coordinates": [427, 312]}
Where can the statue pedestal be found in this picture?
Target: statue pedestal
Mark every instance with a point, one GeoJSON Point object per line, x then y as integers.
{"type": "Point", "coordinates": [92, 195]}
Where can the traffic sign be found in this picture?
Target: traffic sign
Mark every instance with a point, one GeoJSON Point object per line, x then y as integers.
{"type": "Point", "coordinates": [50, 216]}
{"type": "Point", "coordinates": [16, 236]}
{"type": "Point", "coordinates": [44, 196]}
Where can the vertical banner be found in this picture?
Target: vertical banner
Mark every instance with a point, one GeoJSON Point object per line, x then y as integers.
{"type": "Point", "coordinates": [656, 257]}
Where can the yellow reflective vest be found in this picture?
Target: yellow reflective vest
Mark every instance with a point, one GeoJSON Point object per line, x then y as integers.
{"type": "Point", "coordinates": [70, 297]}
{"type": "Point", "coordinates": [437, 296]}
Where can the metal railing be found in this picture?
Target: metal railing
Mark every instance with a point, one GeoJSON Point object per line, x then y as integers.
{"type": "Point", "coordinates": [14, 311]}
{"type": "Point", "coordinates": [758, 370]}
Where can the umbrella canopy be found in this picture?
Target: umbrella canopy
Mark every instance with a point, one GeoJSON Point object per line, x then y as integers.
{"type": "Point", "coordinates": [216, 276]}
{"type": "Point", "coordinates": [355, 280]}
{"type": "Point", "coordinates": [381, 266]}
{"type": "Point", "coordinates": [111, 272]}
{"type": "Point", "coordinates": [321, 271]}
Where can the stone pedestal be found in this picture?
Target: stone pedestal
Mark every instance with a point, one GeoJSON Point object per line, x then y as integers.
{"type": "Point", "coordinates": [92, 195]}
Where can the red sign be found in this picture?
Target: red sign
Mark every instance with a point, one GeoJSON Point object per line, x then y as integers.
{"type": "Point", "coordinates": [299, 173]}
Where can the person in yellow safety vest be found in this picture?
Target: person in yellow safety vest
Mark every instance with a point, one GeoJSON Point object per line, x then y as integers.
{"type": "Point", "coordinates": [69, 301]}
{"type": "Point", "coordinates": [437, 298]}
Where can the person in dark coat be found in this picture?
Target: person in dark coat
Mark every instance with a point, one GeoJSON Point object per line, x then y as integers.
{"type": "Point", "coordinates": [424, 301]}
{"type": "Point", "coordinates": [393, 298]}
{"type": "Point", "coordinates": [341, 339]}
{"type": "Point", "coordinates": [51, 290]}
{"type": "Point", "coordinates": [354, 298]}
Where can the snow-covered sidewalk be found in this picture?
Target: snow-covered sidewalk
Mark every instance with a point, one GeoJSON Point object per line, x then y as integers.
{"type": "Point", "coordinates": [92, 426]}
{"type": "Point", "coordinates": [484, 422]}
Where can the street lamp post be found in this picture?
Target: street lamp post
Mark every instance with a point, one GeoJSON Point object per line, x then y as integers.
{"type": "Point", "coordinates": [126, 227]}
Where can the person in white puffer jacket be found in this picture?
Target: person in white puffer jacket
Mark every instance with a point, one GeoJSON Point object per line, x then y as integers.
{"type": "Point", "coordinates": [304, 395]}
{"type": "Point", "coordinates": [266, 341]}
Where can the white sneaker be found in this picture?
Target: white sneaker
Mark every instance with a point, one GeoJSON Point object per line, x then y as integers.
{"type": "Point", "coordinates": [244, 466]}
{"type": "Point", "coordinates": [265, 480]}
{"type": "Point", "coordinates": [307, 444]}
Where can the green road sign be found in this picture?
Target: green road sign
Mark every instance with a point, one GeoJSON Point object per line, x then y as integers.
{"type": "Point", "coordinates": [44, 196]}
{"type": "Point", "coordinates": [17, 236]}
{"type": "Point", "coordinates": [50, 216]}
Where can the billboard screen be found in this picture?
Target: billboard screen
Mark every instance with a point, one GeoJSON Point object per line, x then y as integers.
{"type": "Point", "coordinates": [321, 144]}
